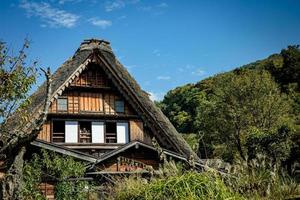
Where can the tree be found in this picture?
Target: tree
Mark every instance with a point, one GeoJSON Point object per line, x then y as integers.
{"type": "Point", "coordinates": [16, 80]}
{"type": "Point", "coordinates": [180, 105]}
{"type": "Point", "coordinates": [245, 104]}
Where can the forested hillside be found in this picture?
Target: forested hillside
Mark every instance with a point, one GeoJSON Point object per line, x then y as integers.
{"type": "Point", "coordinates": [250, 111]}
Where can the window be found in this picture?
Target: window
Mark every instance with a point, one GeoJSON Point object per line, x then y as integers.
{"type": "Point", "coordinates": [116, 132]}
{"type": "Point", "coordinates": [58, 131]}
{"type": "Point", "coordinates": [119, 106]}
{"type": "Point", "coordinates": [85, 132]}
{"type": "Point", "coordinates": [110, 132]}
{"type": "Point", "coordinates": [62, 104]}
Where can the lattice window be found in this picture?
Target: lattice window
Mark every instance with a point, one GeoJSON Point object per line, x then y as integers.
{"type": "Point", "coordinates": [119, 105]}
{"type": "Point", "coordinates": [62, 104]}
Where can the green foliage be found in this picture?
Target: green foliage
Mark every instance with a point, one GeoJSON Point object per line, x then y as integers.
{"type": "Point", "coordinates": [16, 79]}
{"type": "Point", "coordinates": [253, 109]}
{"type": "Point", "coordinates": [243, 102]}
{"type": "Point", "coordinates": [58, 168]}
{"type": "Point", "coordinates": [288, 70]}
{"type": "Point", "coordinates": [180, 104]}
{"type": "Point", "coordinates": [193, 140]}
{"type": "Point", "coordinates": [259, 178]}
{"type": "Point", "coordinates": [32, 174]}
{"type": "Point", "coordinates": [190, 185]}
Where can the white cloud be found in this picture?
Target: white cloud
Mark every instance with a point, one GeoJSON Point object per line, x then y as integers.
{"type": "Point", "coordinates": [155, 10]}
{"type": "Point", "coordinates": [118, 4]}
{"type": "Point", "coordinates": [163, 5]}
{"type": "Point", "coordinates": [68, 1]}
{"type": "Point", "coordinates": [156, 96]}
{"type": "Point", "coordinates": [198, 72]}
{"type": "Point", "coordinates": [51, 16]}
{"type": "Point", "coordinates": [163, 77]}
{"type": "Point", "coordinates": [102, 23]}
{"type": "Point", "coordinates": [114, 5]}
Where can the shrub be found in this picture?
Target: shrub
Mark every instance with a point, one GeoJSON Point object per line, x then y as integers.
{"type": "Point", "coordinates": [61, 169]}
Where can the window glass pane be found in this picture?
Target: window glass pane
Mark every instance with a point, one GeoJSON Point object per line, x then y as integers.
{"type": "Point", "coordinates": [62, 104]}
{"type": "Point", "coordinates": [119, 106]}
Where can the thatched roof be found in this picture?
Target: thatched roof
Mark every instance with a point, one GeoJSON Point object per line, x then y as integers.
{"type": "Point", "coordinates": [100, 52]}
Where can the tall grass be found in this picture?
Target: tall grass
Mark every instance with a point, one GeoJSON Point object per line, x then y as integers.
{"type": "Point", "coordinates": [172, 182]}
{"type": "Point", "coordinates": [190, 185]}
{"type": "Point", "coordinates": [261, 179]}
{"type": "Point", "coordinates": [256, 179]}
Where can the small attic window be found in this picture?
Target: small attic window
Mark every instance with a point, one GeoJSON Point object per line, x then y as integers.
{"type": "Point", "coordinates": [119, 104]}
{"type": "Point", "coordinates": [62, 104]}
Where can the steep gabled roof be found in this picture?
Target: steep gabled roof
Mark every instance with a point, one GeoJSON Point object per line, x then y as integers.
{"type": "Point", "coordinates": [100, 52]}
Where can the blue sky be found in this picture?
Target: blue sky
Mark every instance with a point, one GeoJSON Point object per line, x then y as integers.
{"type": "Point", "coordinates": [164, 44]}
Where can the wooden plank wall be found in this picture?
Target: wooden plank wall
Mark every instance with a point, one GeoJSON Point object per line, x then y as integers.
{"type": "Point", "coordinates": [93, 76]}
{"type": "Point", "coordinates": [89, 101]}
{"type": "Point", "coordinates": [141, 155]}
{"type": "Point", "coordinates": [136, 130]}
{"type": "Point", "coordinates": [45, 132]}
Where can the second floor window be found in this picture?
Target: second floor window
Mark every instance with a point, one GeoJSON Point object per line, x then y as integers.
{"type": "Point", "coordinates": [119, 106]}
{"type": "Point", "coordinates": [62, 104]}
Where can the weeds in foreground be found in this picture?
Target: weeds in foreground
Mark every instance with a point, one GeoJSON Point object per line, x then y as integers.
{"type": "Point", "coordinates": [256, 179]}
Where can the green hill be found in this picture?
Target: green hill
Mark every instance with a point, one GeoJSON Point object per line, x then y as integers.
{"type": "Point", "coordinates": [254, 109]}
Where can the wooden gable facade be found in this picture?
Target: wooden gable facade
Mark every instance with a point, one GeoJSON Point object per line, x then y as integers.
{"type": "Point", "coordinates": [92, 116]}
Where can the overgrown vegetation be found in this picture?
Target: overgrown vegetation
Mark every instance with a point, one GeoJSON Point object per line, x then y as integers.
{"type": "Point", "coordinates": [54, 167]}
{"type": "Point", "coordinates": [252, 110]}
{"type": "Point", "coordinates": [173, 182]}
{"type": "Point", "coordinates": [258, 179]}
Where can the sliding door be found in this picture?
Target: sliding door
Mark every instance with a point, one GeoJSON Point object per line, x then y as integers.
{"type": "Point", "coordinates": [122, 133]}
{"type": "Point", "coordinates": [97, 132]}
{"type": "Point", "coordinates": [71, 132]}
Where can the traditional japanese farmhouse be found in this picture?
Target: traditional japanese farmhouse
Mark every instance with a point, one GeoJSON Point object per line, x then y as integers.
{"type": "Point", "coordinates": [100, 115]}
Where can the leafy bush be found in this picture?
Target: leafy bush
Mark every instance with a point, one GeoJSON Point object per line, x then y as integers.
{"type": "Point", "coordinates": [60, 169]}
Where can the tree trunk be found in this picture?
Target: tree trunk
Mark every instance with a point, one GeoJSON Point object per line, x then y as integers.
{"type": "Point", "coordinates": [239, 144]}
{"type": "Point", "coordinates": [13, 181]}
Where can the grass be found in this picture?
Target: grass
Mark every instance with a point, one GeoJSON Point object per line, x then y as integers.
{"type": "Point", "coordinates": [190, 185]}
{"type": "Point", "coordinates": [256, 179]}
